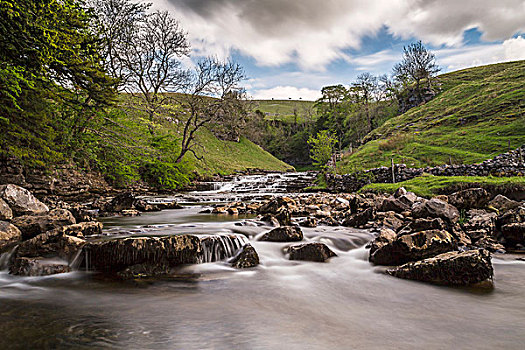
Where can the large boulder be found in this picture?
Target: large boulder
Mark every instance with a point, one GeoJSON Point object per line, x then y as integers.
{"type": "Point", "coordinates": [318, 252]}
{"type": "Point", "coordinates": [452, 268]}
{"type": "Point", "coordinates": [503, 204]}
{"type": "Point", "coordinates": [118, 254]}
{"type": "Point", "coordinates": [436, 208]}
{"type": "Point", "coordinates": [55, 243]}
{"type": "Point", "coordinates": [310, 221]}
{"type": "Point", "coordinates": [480, 224]}
{"type": "Point", "coordinates": [360, 218]}
{"type": "Point", "coordinates": [283, 234]}
{"type": "Point", "coordinates": [9, 235]}
{"type": "Point", "coordinates": [385, 236]}
{"type": "Point", "coordinates": [33, 225]}
{"type": "Point", "coordinates": [246, 257]}
{"type": "Point", "coordinates": [413, 247]}
{"type": "Point", "coordinates": [393, 204]}
{"type": "Point", "coordinates": [21, 201]}
{"type": "Point", "coordinates": [469, 198]}
{"type": "Point", "coordinates": [276, 204]}
{"type": "Point", "coordinates": [37, 267]}
{"type": "Point", "coordinates": [5, 211]}
{"type": "Point", "coordinates": [121, 202]}
{"type": "Point", "coordinates": [423, 224]}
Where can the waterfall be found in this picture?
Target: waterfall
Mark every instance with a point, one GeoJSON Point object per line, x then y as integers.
{"type": "Point", "coordinates": [220, 247]}
{"type": "Point", "coordinates": [5, 257]}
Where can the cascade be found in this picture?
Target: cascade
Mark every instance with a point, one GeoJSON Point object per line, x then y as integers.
{"type": "Point", "coordinates": [220, 247]}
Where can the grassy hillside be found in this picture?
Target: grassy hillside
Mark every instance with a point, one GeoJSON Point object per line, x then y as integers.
{"type": "Point", "coordinates": [479, 113]}
{"type": "Point", "coordinates": [284, 110]}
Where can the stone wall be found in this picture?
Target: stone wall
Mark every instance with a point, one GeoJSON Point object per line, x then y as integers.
{"type": "Point", "coordinates": [507, 164]}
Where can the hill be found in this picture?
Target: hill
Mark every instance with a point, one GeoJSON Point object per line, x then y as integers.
{"type": "Point", "coordinates": [479, 113]}
{"type": "Point", "coordinates": [284, 110]}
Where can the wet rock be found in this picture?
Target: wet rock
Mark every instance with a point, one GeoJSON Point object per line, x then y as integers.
{"type": "Point", "coordinates": [246, 257]}
{"type": "Point", "coordinates": [318, 252]}
{"type": "Point", "coordinates": [81, 214]}
{"type": "Point", "coordinates": [33, 225]}
{"type": "Point", "coordinates": [514, 233]}
{"type": "Point", "coordinates": [469, 198]}
{"type": "Point", "coordinates": [309, 222]}
{"type": "Point", "coordinates": [502, 203]}
{"type": "Point", "coordinates": [170, 205]}
{"type": "Point", "coordinates": [37, 267]}
{"type": "Point", "coordinates": [5, 212]}
{"type": "Point", "coordinates": [9, 235]}
{"type": "Point", "coordinates": [393, 204]}
{"type": "Point", "coordinates": [490, 244]}
{"type": "Point", "coordinates": [386, 236]}
{"type": "Point", "coordinates": [436, 208]}
{"type": "Point", "coordinates": [453, 268]}
{"type": "Point", "coordinates": [284, 217]}
{"type": "Point", "coordinates": [360, 219]}
{"type": "Point", "coordinates": [83, 229]}
{"type": "Point", "coordinates": [21, 201]}
{"type": "Point", "coordinates": [275, 204]}
{"type": "Point", "coordinates": [390, 220]}
{"type": "Point", "coordinates": [121, 202]}
{"type": "Point", "coordinates": [130, 212]}
{"type": "Point", "coordinates": [55, 243]}
{"type": "Point", "coordinates": [118, 254]}
{"type": "Point", "coordinates": [480, 224]}
{"type": "Point", "coordinates": [144, 271]}
{"type": "Point", "coordinates": [283, 234]}
{"type": "Point", "coordinates": [416, 246]}
{"type": "Point", "coordinates": [144, 206]}
{"type": "Point", "coordinates": [424, 224]}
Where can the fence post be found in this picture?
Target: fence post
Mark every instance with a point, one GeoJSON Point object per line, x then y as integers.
{"type": "Point", "coordinates": [393, 171]}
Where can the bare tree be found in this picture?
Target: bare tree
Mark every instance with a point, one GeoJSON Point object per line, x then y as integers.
{"type": "Point", "coordinates": [366, 87]}
{"type": "Point", "coordinates": [213, 92]}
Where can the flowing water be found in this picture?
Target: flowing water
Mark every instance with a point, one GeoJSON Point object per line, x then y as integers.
{"type": "Point", "coordinates": [343, 304]}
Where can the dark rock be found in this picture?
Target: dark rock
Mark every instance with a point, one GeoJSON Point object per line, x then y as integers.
{"type": "Point", "coordinates": [318, 252]}
{"type": "Point", "coordinates": [245, 258]}
{"type": "Point", "coordinates": [283, 234]}
{"type": "Point", "coordinates": [514, 233]}
{"type": "Point", "coordinates": [409, 199]}
{"type": "Point", "coordinates": [83, 229]}
{"type": "Point", "coordinates": [469, 198]}
{"type": "Point", "coordinates": [142, 205]}
{"type": "Point", "coordinates": [9, 235]}
{"type": "Point", "coordinates": [275, 204]}
{"type": "Point", "coordinates": [51, 244]}
{"type": "Point", "coordinates": [360, 218]}
{"type": "Point", "coordinates": [416, 246]}
{"type": "Point", "coordinates": [436, 208]}
{"type": "Point", "coordinates": [21, 201]}
{"type": "Point", "coordinates": [5, 212]}
{"type": "Point", "coordinates": [401, 191]}
{"type": "Point", "coordinates": [37, 267]}
{"type": "Point", "coordinates": [144, 271]}
{"type": "Point", "coordinates": [385, 236]}
{"type": "Point", "coordinates": [389, 220]}
{"type": "Point", "coordinates": [309, 222]}
{"type": "Point", "coordinates": [453, 268]}
{"type": "Point", "coordinates": [502, 203]}
{"type": "Point", "coordinates": [169, 205]}
{"type": "Point", "coordinates": [121, 202]}
{"type": "Point", "coordinates": [284, 217]}
{"type": "Point", "coordinates": [393, 204]}
{"type": "Point", "coordinates": [423, 224]}
{"type": "Point", "coordinates": [490, 244]}
{"type": "Point", "coordinates": [33, 225]}
{"type": "Point", "coordinates": [118, 254]}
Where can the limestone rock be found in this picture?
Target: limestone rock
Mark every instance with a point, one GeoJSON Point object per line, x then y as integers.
{"type": "Point", "coordinates": [5, 212]}
{"type": "Point", "coordinates": [33, 225]}
{"type": "Point", "coordinates": [9, 235]}
{"type": "Point", "coordinates": [245, 258]}
{"type": "Point", "coordinates": [453, 268]}
{"type": "Point", "coordinates": [469, 198]}
{"type": "Point", "coordinates": [393, 204]}
{"type": "Point", "coordinates": [318, 252]}
{"type": "Point", "coordinates": [502, 203]}
{"type": "Point", "coordinates": [413, 247]}
{"type": "Point", "coordinates": [121, 202]}
{"type": "Point", "coordinates": [361, 218]}
{"type": "Point", "coordinates": [51, 244]}
{"type": "Point", "coordinates": [21, 201]}
{"type": "Point", "coordinates": [309, 222]}
{"type": "Point", "coordinates": [436, 208]}
{"type": "Point", "coordinates": [385, 236]}
{"type": "Point", "coordinates": [37, 267]}
{"type": "Point", "coordinates": [514, 233]}
{"type": "Point", "coordinates": [283, 234]}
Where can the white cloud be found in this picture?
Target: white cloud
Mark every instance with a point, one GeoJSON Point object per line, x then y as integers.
{"type": "Point", "coordinates": [287, 92]}
{"type": "Point", "coordinates": [314, 33]}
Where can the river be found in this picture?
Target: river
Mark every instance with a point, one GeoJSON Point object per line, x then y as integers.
{"type": "Point", "coordinates": [344, 304]}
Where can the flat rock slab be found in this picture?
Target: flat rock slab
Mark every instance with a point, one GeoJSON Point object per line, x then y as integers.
{"type": "Point", "coordinates": [453, 268]}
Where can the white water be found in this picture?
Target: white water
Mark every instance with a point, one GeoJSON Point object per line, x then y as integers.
{"type": "Point", "coordinates": [343, 304]}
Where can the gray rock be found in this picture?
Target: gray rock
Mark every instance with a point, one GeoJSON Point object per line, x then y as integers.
{"type": "Point", "coordinates": [453, 268]}
{"type": "Point", "coordinates": [469, 198]}
{"type": "Point", "coordinates": [413, 247]}
{"type": "Point", "coordinates": [21, 201]}
{"type": "Point", "coordinates": [283, 234]}
{"type": "Point", "coordinates": [309, 222]}
{"type": "Point", "coordinates": [385, 236]}
{"type": "Point", "coordinates": [514, 233]}
{"type": "Point", "coordinates": [436, 208]}
{"type": "Point", "coordinates": [503, 204]}
{"type": "Point", "coordinates": [5, 212]}
{"type": "Point", "coordinates": [361, 218]}
{"type": "Point", "coordinates": [37, 267]}
{"type": "Point", "coordinates": [318, 252]}
{"type": "Point", "coordinates": [33, 225]}
{"type": "Point", "coordinates": [393, 204]}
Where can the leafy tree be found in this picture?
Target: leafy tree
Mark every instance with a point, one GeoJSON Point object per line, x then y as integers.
{"type": "Point", "coordinates": [321, 148]}
{"type": "Point", "coordinates": [418, 65]}
{"type": "Point", "coordinates": [366, 88]}
{"type": "Point", "coordinates": [332, 110]}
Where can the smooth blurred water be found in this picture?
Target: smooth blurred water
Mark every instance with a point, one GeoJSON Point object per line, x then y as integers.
{"type": "Point", "coordinates": [343, 304]}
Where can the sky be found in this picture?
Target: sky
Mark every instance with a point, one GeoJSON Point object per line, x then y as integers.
{"type": "Point", "coordinates": [292, 48]}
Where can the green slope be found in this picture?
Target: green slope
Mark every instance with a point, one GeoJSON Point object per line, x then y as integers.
{"type": "Point", "coordinates": [284, 110]}
{"type": "Point", "coordinates": [479, 114]}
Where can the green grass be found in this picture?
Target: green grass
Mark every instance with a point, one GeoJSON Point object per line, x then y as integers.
{"type": "Point", "coordinates": [479, 114]}
{"type": "Point", "coordinates": [285, 110]}
{"type": "Point", "coordinates": [428, 186]}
